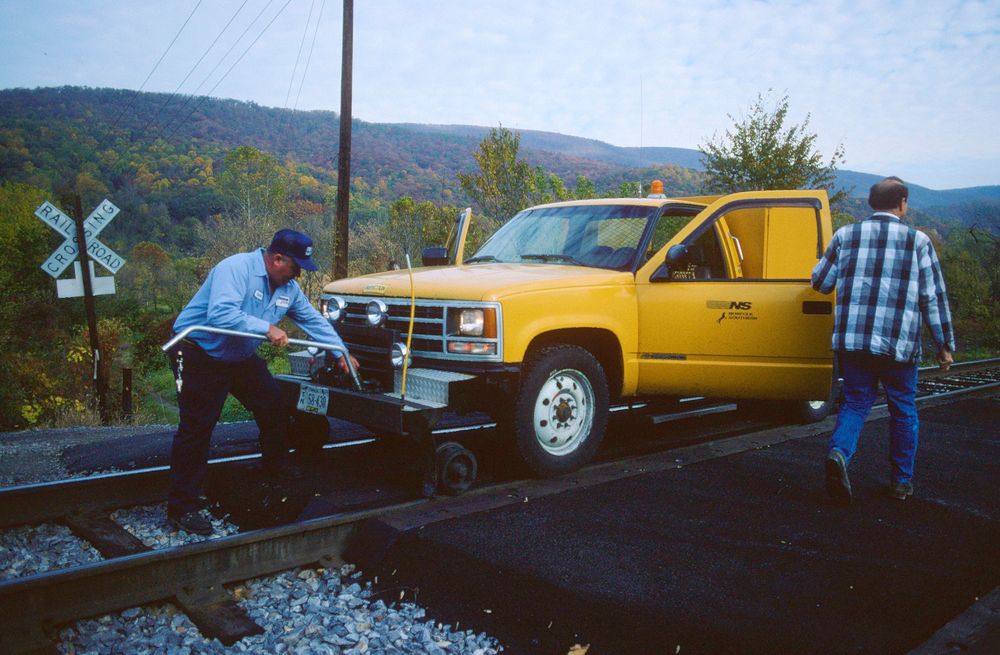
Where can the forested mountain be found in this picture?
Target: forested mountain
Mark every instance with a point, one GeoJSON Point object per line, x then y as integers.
{"type": "Point", "coordinates": [47, 133]}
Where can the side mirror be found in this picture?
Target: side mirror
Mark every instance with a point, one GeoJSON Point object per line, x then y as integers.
{"type": "Point", "coordinates": [434, 256]}
{"type": "Point", "coordinates": [676, 254]}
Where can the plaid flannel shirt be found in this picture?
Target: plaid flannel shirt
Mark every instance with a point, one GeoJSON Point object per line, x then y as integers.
{"type": "Point", "coordinates": [888, 279]}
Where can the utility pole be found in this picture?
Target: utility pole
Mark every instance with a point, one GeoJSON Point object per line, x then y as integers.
{"type": "Point", "coordinates": [344, 156]}
{"type": "Point", "coordinates": [100, 383]}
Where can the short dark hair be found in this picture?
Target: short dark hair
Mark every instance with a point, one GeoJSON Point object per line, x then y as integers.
{"type": "Point", "coordinates": [888, 194]}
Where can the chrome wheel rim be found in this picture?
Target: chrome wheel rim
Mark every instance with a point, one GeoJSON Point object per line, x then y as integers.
{"type": "Point", "coordinates": [564, 412]}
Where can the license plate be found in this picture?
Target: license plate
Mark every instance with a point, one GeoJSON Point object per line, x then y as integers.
{"type": "Point", "coordinates": [313, 399]}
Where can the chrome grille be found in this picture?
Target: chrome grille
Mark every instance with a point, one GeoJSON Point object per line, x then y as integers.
{"type": "Point", "coordinates": [430, 330]}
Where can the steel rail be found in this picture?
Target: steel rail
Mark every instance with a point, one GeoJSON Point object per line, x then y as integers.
{"type": "Point", "coordinates": [30, 606]}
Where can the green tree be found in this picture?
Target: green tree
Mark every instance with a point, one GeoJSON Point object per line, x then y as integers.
{"type": "Point", "coordinates": [27, 307]}
{"type": "Point", "coordinates": [585, 189]}
{"type": "Point", "coordinates": [254, 187]}
{"type": "Point", "coordinates": [761, 152]}
{"type": "Point", "coordinates": [505, 184]}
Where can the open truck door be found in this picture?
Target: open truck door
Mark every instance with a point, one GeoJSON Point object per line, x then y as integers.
{"type": "Point", "coordinates": [726, 307]}
{"type": "Point", "coordinates": [453, 252]}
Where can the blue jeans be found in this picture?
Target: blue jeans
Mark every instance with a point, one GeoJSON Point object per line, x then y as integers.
{"type": "Point", "coordinates": [862, 373]}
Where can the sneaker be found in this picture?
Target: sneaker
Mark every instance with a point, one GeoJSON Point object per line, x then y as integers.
{"type": "Point", "coordinates": [838, 485]}
{"type": "Point", "coordinates": [900, 490]}
{"type": "Point", "coordinates": [192, 522]}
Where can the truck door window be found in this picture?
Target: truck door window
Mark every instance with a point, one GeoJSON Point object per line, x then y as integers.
{"type": "Point", "coordinates": [667, 226]}
{"type": "Point", "coordinates": [705, 258]}
{"type": "Point", "coordinates": [704, 261]}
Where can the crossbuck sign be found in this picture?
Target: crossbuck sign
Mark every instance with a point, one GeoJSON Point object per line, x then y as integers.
{"type": "Point", "coordinates": [68, 252]}
{"type": "Point", "coordinates": [65, 254]}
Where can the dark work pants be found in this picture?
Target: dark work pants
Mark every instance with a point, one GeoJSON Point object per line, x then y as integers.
{"type": "Point", "coordinates": [205, 384]}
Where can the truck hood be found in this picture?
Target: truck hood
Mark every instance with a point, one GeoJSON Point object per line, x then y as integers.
{"type": "Point", "coordinates": [481, 282]}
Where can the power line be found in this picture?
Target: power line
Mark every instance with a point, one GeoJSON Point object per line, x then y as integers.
{"type": "Point", "coordinates": [309, 58]}
{"type": "Point", "coordinates": [195, 108]}
{"type": "Point", "coordinates": [302, 43]}
{"type": "Point", "coordinates": [193, 68]}
{"type": "Point", "coordinates": [157, 65]}
{"type": "Point", "coordinates": [191, 97]}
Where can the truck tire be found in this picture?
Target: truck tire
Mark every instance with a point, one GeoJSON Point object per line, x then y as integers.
{"type": "Point", "coordinates": [561, 410]}
{"type": "Point", "coordinates": [812, 411]}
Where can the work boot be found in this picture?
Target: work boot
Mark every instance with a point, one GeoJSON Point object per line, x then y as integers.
{"type": "Point", "coordinates": [838, 485]}
{"type": "Point", "coordinates": [192, 522]}
{"type": "Point", "coordinates": [900, 490]}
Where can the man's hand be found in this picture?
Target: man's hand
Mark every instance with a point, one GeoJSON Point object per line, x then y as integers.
{"type": "Point", "coordinates": [342, 363]}
{"type": "Point", "coordinates": [944, 359]}
{"type": "Point", "coordinates": [277, 336]}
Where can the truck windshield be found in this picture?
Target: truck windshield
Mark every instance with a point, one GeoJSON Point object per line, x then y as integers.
{"type": "Point", "coordinates": [599, 236]}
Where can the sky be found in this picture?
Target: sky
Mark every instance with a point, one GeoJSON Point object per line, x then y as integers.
{"type": "Point", "coordinates": [910, 88]}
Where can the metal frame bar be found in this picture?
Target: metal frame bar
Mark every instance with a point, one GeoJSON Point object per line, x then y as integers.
{"type": "Point", "coordinates": [260, 337]}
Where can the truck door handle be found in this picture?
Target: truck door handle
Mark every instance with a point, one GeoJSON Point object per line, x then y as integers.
{"type": "Point", "coordinates": [817, 307]}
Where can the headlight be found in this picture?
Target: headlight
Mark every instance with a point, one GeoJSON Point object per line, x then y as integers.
{"type": "Point", "coordinates": [378, 312]}
{"type": "Point", "coordinates": [332, 308]}
{"type": "Point", "coordinates": [399, 355]}
{"type": "Point", "coordinates": [472, 322]}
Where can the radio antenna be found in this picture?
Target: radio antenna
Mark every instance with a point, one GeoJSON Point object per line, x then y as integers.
{"type": "Point", "coordinates": [640, 134]}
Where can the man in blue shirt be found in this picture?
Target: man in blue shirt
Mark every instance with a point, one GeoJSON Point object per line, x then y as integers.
{"type": "Point", "coordinates": [248, 292]}
{"type": "Point", "coordinates": [888, 283]}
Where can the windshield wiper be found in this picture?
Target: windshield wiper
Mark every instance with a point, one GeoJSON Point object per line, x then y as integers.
{"type": "Point", "coordinates": [554, 257]}
{"type": "Point", "coordinates": [481, 258]}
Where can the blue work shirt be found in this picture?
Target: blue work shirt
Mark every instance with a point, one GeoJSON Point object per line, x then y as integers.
{"type": "Point", "coordinates": [237, 296]}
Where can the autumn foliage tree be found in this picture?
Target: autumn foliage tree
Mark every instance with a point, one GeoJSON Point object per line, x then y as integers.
{"type": "Point", "coordinates": [254, 187]}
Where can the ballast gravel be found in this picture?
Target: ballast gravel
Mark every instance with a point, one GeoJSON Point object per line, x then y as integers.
{"type": "Point", "coordinates": [149, 525]}
{"type": "Point", "coordinates": [304, 611]}
{"type": "Point", "coordinates": [33, 549]}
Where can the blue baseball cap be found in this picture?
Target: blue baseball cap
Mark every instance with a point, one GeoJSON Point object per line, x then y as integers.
{"type": "Point", "coordinates": [295, 245]}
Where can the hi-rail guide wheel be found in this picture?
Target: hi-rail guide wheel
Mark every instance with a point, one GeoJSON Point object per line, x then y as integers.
{"type": "Point", "coordinates": [456, 468]}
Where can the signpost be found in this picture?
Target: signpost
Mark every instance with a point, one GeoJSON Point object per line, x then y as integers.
{"type": "Point", "coordinates": [82, 242]}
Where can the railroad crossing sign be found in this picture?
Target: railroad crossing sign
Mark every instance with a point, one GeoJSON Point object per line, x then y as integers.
{"type": "Point", "coordinates": [68, 251]}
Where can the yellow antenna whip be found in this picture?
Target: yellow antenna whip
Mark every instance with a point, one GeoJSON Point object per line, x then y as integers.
{"type": "Point", "coordinates": [409, 333]}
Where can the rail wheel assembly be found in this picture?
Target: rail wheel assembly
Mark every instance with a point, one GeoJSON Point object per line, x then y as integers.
{"type": "Point", "coordinates": [456, 468]}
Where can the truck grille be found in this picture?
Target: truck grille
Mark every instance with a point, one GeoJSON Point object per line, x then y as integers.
{"type": "Point", "coordinates": [430, 328]}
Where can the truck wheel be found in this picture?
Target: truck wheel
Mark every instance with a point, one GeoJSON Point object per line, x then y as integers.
{"type": "Point", "coordinates": [561, 410]}
{"type": "Point", "coordinates": [811, 411]}
{"type": "Point", "coordinates": [307, 433]}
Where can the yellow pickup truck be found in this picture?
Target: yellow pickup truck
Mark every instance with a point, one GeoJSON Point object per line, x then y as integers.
{"type": "Point", "coordinates": [572, 306]}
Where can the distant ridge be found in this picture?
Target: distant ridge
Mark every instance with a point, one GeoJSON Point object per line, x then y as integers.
{"type": "Point", "coordinates": [592, 149]}
{"type": "Point", "coordinates": [420, 160]}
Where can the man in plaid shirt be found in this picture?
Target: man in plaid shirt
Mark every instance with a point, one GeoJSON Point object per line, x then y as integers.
{"type": "Point", "coordinates": [888, 283]}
